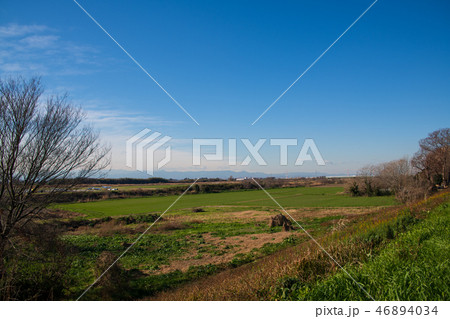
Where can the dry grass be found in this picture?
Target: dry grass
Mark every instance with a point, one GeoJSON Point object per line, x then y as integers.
{"type": "Point", "coordinates": [110, 228]}
{"type": "Point", "coordinates": [171, 225]}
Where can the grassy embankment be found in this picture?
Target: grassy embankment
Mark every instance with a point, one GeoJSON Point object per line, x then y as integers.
{"type": "Point", "coordinates": [415, 266]}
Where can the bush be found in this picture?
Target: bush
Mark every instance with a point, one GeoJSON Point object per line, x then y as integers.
{"type": "Point", "coordinates": [140, 218]}
{"type": "Point", "coordinates": [37, 267]}
{"type": "Point", "coordinates": [354, 189]}
{"type": "Point", "coordinates": [114, 284]}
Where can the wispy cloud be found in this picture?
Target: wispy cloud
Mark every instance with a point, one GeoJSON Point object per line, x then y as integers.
{"type": "Point", "coordinates": [39, 41]}
{"type": "Point", "coordinates": [17, 30]}
{"type": "Point", "coordinates": [122, 121]}
{"type": "Point", "coordinates": [117, 126]}
{"type": "Point", "coordinates": [38, 49]}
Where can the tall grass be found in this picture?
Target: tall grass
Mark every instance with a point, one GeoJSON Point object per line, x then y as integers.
{"type": "Point", "coordinates": [413, 267]}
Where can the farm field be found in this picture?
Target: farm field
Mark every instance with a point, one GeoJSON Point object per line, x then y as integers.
{"type": "Point", "coordinates": [203, 234]}
{"type": "Point", "coordinates": [256, 199]}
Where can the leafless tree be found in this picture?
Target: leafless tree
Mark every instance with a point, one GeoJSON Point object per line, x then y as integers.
{"type": "Point", "coordinates": [433, 157]}
{"type": "Point", "coordinates": [395, 175]}
{"type": "Point", "coordinates": [44, 149]}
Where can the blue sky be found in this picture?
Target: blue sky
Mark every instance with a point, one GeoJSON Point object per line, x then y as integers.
{"type": "Point", "coordinates": [380, 89]}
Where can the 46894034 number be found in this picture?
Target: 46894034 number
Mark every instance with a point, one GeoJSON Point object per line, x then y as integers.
{"type": "Point", "coordinates": [403, 310]}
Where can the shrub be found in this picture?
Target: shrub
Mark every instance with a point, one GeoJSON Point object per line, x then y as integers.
{"type": "Point", "coordinates": [141, 218]}
{"type": "Point", "coordinates": [37, 269]}
{"type": "Point", "coordinates": [113, 285]}
{"type": "Point", "coordinates": [354, 189]}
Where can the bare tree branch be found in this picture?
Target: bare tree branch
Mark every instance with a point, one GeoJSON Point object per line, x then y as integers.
{"type": "Point", "coordinates": [44, 151]}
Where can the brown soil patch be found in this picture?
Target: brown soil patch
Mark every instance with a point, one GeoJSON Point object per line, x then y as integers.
{"type": "Point", "coordinates": [246, 243]}
{"type": "Point", "coordinates": [238, 245]}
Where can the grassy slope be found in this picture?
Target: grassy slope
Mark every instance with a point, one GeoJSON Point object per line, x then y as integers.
{"type": "Point", "coordinates": [288, 197]}
{"type": "Point", "coordinates": [413, 267]}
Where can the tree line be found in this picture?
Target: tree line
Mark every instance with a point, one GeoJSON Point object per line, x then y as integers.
{"type": "Point", "coordinates": [409, 179]}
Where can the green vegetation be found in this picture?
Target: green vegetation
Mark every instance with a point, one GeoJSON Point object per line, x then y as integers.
{"type": "Point", "coordinates": [149, 264]}
{"type": "Point", "coordinates": [396, 253]}
{"type": "Point", "coordinates": [287, 197]}
{"type": "Point", "coordinates": [414, 266]}
{"type": "Point", "coordinates": [156, 250]}
{"type": "Point", "coordinates": [169, 242]}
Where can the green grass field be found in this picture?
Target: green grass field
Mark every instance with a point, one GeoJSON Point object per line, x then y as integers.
{"type": "Point", "coordinates": [287, 197]}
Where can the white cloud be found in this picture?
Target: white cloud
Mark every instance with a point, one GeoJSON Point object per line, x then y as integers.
{"type": "Point", "coordinates": [17, 30]}
{"type": "Point", "coordinates": [121, 121]}
{"type": "Point", "coordinates": [38, 49]}
{"type": "Point", "coordinates": [39, 41]}
{"type": "Point", "coordinates": [12, 67]}
{"type": "Point", "coordinates": [117, 126]}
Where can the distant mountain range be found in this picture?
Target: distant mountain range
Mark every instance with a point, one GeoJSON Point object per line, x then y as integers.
{"type": "Point", "coordinates": [209, 174]}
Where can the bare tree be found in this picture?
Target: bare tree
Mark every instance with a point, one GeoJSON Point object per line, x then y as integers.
{"type": "Point", "coordinates": [44, 150]}
{"type": "Point", "coordinates": [395, 175]}
{"type": "Point", "coordinates": [433, 157]}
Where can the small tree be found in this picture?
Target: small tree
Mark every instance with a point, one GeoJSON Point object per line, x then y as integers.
{"type": "Point", "coordinates": [367, 181]}
{"type": "Point", "coordinates": [433, 157]}
{"type": "Point", "coordinates": [44, 151]}
{"type": "Point", "coordinates": [395, 175]}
